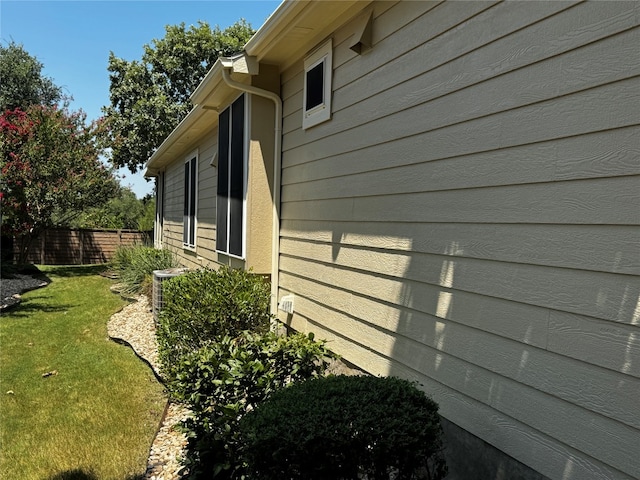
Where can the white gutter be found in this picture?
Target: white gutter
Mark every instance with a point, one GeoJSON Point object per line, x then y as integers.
{"type": "Point", "coordinates": [275, 227]}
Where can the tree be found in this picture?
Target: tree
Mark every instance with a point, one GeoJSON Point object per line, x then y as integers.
{"type": "Point", "coordinates": [148, 217]}
{"type": "Point", "coordinates": [123, 210]}
{"type": "Point", "coordinates": [50, 170]}
{"type": "Point", "coordinates": [150, 97]}
{"type": "Point", "coordinates": [21, 81]}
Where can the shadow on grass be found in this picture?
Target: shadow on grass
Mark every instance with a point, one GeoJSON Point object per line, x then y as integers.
{"type": "Point", "coordinates": [27, 307]}
{"type": "Point", "coordinates": [80, 474]}
{"type": "Point", "coordinates": [24, 307]}
{"type": "Point", "coordinates": [75, 474]}
{"type": "Point", "coordinates": [74, 271]}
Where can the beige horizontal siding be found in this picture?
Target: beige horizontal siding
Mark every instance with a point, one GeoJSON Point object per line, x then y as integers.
{"type": "Point", "coordinates": [492, 425]}
{"type": "Point", "coordinates": [493, 52]}
{"type": "Point", "coordinates": [206, 215]}
{"type": "Point", "coordinates": [470, 218]}
{"type": "Point", "coordinates": [596, 201]}
{"type": "Point", "coordinates": [602, 295]}
{"type": "Point", "coordinates": [605, 248]}
{"type": "Point", "coordinates": [204, 252]}
{"type": "Point", "coordinates": [557, 47]}
{"type": "Point", "coordinates": [593, 155]}
{"type": "Point", "coordinates": [464, 366]}
{"type": "Point", "coordinates": [604, 107]}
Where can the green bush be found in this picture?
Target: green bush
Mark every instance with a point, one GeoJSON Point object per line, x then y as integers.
{"type": "Point", "coordinates": [344, 428]}
{"type": "Point", "coordinates": [220, 382]}
{"type": "Point", "coordinates": [134, 266]}
{"type": "Point", "coordinates": [204, 305]}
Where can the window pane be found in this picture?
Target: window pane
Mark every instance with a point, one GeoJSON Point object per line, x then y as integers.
{"type": "Point", "coordinates": [222, 196]}
{"type": "Point", "coordinates": [236, 177]}
{"type": "Point", "coordinates": [185, 217]}
{"type": "Point", "coordinates": [315, 88]}
{"type": "Point", "coordinates": [231, 172]}
{"type": "Point", "coordinates": [193, 192]}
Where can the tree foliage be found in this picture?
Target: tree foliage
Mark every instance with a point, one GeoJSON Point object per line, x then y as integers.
{"type": "Point", "coordinates": [148, 217]}
{"type": "Point", "coordinates": [150, 96]}
{"type": "Point", "coordinates": [50, 170]}
{"type": "Point", "coordinates": [122, 211]}
{"type": "Point", "coordinates": [21, 81]}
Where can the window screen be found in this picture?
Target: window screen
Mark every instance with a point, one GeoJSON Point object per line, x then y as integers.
{"type": "Point", "coordinates": [231, 173]}
{"type": "Point", "coordinates": [315, 86]}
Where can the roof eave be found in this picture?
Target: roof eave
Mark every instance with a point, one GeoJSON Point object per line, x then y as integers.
{"type": "Point", "coordinates": [274, 24]}
{"type": "Point", "coordinates": [157, 161]}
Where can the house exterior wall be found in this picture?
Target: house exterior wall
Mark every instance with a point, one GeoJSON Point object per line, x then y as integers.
{"type": "Point", "coordinates": [204, 252]}
{"type": "Point", "coordinates": [468, 218]}
{"type": "Point", "coordinates": [258, 205]}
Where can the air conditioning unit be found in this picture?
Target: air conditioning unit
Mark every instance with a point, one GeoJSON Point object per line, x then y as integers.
{"type": "Point", "coordinates": [159, 276]}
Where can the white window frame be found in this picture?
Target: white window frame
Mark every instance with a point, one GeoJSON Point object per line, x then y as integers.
{"type": "Point", "coordinates": [322, 112]}
{"type": "Point", "coordinates": [191, 189]}
{"type": "Point", "coordinates": [225, 249]}
{"type": "Point", "coordinates": [159, 223]}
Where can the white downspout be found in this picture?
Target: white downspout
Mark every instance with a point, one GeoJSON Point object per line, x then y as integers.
{"type": "Point", "coordinates": [275, 227]}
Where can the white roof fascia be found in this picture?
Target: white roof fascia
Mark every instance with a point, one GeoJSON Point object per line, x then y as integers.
{"type": "Point", "coordinates": [277, 21]}
{"type": "Point", "coordinates": [208, 83]}
{"type": "Point", "coordinates": [182, 127]}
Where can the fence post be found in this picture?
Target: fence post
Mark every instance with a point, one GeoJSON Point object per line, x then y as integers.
{"type": "Point", "coordinates": [43, 244]}
{"type": "Point", "coordinates": [81, 232]}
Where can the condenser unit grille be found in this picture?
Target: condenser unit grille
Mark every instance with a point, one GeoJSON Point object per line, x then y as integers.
{"type": "Point", "coordinates": [159, 276]}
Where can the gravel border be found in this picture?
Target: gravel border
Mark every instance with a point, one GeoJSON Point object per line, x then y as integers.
{"type": "Point", "coordinates": [135, 327]}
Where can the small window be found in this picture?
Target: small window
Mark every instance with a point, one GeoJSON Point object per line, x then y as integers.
{"type": "Point", "coordinates": [317, 86]}
{"type": "Point", "coordinates": [190, 197]}
{"type": "Point", "coordinates": [315, 91]}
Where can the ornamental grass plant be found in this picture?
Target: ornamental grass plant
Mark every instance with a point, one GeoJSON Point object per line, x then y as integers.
{"type": "Point", "coordinates": [133, 266]}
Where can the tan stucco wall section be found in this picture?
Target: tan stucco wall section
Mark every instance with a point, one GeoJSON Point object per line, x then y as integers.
{"type": "Point", "coordinates": [260, 173]}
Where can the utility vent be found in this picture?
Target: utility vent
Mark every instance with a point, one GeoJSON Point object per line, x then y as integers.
{"type": "Point", "coordinates": [159, 276]}
{"type": "Point", "coordinates": [286, 304]}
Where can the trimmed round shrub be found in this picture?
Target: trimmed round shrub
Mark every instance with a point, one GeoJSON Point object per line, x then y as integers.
{"type": "Point", "coordinates": [222, 381]}
{"type": "Point", "coordinates": [202, 306]}
{"type": "Point", "coordinates": [344, 427]}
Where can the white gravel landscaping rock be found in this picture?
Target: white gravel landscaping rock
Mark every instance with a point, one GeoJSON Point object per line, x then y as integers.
{"type": "Point", "coordinates": [135, 326]}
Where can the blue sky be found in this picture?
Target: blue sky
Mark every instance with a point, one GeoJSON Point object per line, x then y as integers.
{"type": "Point", "coordinates": [73, 40]}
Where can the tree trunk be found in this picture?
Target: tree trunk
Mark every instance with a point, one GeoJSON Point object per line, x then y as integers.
{"type": "Point", "coordinates": [25, 242]}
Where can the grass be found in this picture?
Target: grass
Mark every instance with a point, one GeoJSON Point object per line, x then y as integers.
{"type": "Point", "coordinates": [95, 418]}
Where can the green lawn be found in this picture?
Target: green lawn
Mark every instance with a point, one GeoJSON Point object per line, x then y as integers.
{"type": "Point", "coordinates": [95, 418]}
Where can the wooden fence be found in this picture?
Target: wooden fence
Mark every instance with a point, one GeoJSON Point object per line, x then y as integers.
{"type": "Point", "coordinates": [81, 247]}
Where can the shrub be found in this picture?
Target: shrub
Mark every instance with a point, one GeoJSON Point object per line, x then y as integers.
{"type": "Point", "coordinates": [134, 266]}
{"type": "Point", "coordinates": [223, 380]}
{"type": "Point", "coordinates": [344, 428]}
{"type": "Point", "coordinates": [204, 305]}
